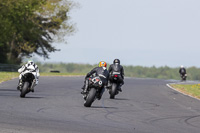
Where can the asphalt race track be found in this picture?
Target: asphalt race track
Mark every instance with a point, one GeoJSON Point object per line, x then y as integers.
{"type": "Point", "coordinates": [56, 106]}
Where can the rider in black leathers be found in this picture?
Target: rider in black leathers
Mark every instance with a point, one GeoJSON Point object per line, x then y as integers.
{"type": "Point", "coordinates": [182, 71]}
{"type": "Point", "coordinates": [116, 67]}
{"type": "Point", "coordinates": [100, 71]}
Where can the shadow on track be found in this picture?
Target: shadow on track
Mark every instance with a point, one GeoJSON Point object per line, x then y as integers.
{"type": "Point", "coordinates": [121, 99]}
{"type": "Point", "coordinates": [32, 97]}
{"type": "Point", "coordinates": [101, 107]}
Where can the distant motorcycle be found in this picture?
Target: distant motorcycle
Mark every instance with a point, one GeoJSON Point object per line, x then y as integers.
{"type": "Point", "coordinates": [183, 77]}
{"type": "Point", "coordinates": [115, 84]}
{"type": "Point", "coordinates": [94, 87]}
{"type": "Point", "coordinates": [28, 83]}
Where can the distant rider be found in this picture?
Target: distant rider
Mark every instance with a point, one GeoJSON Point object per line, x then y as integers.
{"type": "Point", "coordinates": [29, 67]}
{"type": "Point", "coordinates": [182, 71]}
{"type": "Point", "coordinates": [100, 71]}
{"type": "Point", "coordinates": [116, 68]}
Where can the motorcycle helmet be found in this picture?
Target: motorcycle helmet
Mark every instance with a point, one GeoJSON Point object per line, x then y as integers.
{"type": "Point", "coordinates": [30, 62]}
{"type": "Point", "coordinates": [116, 61]}
{"type": "Point", "coordinates": [182, 66]}
{"type": "Point", "coordinates": [102, 64]}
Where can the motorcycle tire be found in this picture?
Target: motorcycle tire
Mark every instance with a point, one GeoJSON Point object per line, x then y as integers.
{"type": "Point", "coordinates": [90, 98]}
{"type": "Point", "coordinates": [24, 90]}
{"type": "Point", "coordinates": [184, 78]}
{"type": "Point", "coordinates": [113, 91]}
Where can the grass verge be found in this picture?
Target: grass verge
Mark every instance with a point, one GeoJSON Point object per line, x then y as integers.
{"type": "Point", "coordinates": [4, 76]}
{"type": "Point", "coordinates": [188, 89]}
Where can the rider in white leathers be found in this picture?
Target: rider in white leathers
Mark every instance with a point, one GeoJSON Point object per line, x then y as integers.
{"type": "Point", "coordinates": [27, 68]}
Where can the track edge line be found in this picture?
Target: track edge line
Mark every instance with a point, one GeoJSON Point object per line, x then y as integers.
{"type": "Point", "coordinates": [168, 85]}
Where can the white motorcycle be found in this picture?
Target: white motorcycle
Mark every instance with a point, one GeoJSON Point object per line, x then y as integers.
{"type": "Point", "coordinates": [28, 83]}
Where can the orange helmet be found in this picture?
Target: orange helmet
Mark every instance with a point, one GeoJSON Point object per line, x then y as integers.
{"type": "Point", "coordinates": [102, 64]}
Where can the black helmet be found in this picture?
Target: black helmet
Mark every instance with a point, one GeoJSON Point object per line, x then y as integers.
{"type": "Point", "coordinates": [116, 61]}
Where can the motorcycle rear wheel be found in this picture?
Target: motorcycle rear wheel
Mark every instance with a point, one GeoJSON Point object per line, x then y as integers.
{"type": "Point", "coordinates": [24, 90]}
{"type": "Point", "coordinates": [113, 91]}
{"type": "Point", "coordinates": [90, 97]}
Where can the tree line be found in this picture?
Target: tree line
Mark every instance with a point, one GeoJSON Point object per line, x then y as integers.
{"type": "Point", "coordinates": [164, 72]}
{"type": "Point", "coordinates": [30, 26]}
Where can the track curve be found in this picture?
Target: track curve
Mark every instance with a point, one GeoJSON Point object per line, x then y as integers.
{"type": "Point", "coordinates": [56, 106]}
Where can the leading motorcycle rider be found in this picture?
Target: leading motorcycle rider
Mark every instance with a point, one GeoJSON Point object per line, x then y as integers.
{"type": "Point", "coordinates": [100, 71]}
{"type": "Point", "coordinates": [182, 71]}
{"type": "Point", "coordinates": [116, 67]}
{"type": "Point", "coordinates": [30, 66]}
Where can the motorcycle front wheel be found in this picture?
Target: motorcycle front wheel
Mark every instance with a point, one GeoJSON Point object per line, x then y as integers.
{"type": "Point", "coordinates": [90, 97]}
{"type": "Point", "coordinates": [24, 90]}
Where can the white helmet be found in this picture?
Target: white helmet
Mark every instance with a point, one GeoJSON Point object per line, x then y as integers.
{"type": "Point", "coordinates": [30, 62]}
{"type": "Point", "coordinates": [182, 66]}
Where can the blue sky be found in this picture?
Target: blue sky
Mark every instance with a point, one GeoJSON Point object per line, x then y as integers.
{"type": "Point", "coordinates": [138, 32]}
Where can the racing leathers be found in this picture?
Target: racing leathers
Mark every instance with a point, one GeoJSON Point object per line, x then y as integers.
{"type": "Point", "coordinates": [116, 68]}
{"type": "Point", "coordinates": [182, 71]}
{"type": "Point", "coordinates": [30, 67]}
{"type": "Point", "coordinates": [102, 72]}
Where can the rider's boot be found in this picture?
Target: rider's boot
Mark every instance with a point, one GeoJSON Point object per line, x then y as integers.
{"type": "Point", "coordinates": [84, 91]}
{"type": "Point", "coordinates": [19, 87]}
{"type": "Point", "coordinates": [85, 86]}
{"type": "Point", "coordinates": [120, 86]}
{"type": "Point", "coordinates": [108, 85]}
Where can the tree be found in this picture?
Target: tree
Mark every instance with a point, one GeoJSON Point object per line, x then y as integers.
{"type": "Point", "coordinates": [30, 26]}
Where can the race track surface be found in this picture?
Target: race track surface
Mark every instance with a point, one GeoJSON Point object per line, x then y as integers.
{"type": "Point", "coordinates": [56, 106]}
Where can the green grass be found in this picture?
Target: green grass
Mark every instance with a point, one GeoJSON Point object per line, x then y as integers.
{"type": "Point", "coordinates": [4, 76]}
{"type": "Point", "coordinates": [193, 90]}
